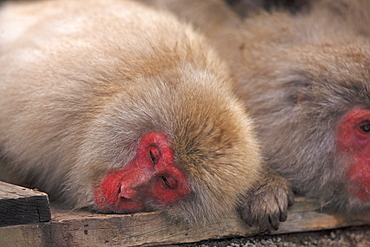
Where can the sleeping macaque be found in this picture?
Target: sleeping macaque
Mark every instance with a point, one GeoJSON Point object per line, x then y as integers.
{"type": "Point", "coordinates": [116, 107]}
{"type": "Point", "coordinates": [306, 80]}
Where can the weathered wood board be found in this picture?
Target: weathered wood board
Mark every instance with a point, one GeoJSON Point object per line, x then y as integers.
{"type": "Point", "coordinates": [82, 228]}
{"type": "Point", "coordinates": [19, 205]}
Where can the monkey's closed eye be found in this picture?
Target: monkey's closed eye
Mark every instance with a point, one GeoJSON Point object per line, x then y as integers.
{"type": "Point", "coordinates": [170, 182]}
{"type": "Point", "coordinates": [154, 154]}
{"type": "Point", "coordinates": [152, 157]}
{"type": "Point", "coordinates": [365, 127]}
{"type": "Point", "coordinates": [165, 181]}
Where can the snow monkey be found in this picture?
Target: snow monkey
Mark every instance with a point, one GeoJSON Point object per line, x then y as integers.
{"type": "Point", "coordinates": [305, 77]}
{"type": "Point", "coordinates": [117, 107]}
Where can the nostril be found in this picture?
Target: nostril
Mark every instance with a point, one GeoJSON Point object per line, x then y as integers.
{"type": "Point", "coordinates": [126, 193]}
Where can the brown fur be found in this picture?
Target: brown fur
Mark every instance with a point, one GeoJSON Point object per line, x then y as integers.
{"type": "Point", "coordinates": [81, 82]}
{"type": "Point", "coordinates": [351, 13]}
{"type": "Point", "coordinates": [354, 13]}
{"type": "Point", "coordinates": [298, 75]}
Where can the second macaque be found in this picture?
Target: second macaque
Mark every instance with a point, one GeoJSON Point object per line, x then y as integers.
{"type": "Point", "coordinates": [116, 107]}
{"type": "Point", "coordinates": [306, 79]}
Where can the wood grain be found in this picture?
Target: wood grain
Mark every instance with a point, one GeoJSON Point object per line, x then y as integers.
{"type": "Point", "coordinates": [83, 228]}
{"type": "Point", "coordinates": [19, 205]}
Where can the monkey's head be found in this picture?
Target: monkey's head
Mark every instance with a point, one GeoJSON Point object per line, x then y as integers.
{"type": "Point", "coordinates": [313, 112]}
{"type": "Point", "coordinates": [341, 97]}
{"type": "Point", "coordinates": [184, 145]}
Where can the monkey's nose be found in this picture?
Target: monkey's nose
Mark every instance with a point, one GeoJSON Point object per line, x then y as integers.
{"type": "Point", "coordinates": [126, 192]}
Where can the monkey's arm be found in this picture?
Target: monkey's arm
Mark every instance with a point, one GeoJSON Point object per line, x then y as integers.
{"type": "Point", "coordinates": [267, 204]}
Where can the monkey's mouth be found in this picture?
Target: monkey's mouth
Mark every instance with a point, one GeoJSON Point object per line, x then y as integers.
{"type": "Point", "coordinates": [361, 191]}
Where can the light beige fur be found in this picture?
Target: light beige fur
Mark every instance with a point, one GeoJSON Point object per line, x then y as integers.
{"type": "Point", "coordinates": [82, 81]}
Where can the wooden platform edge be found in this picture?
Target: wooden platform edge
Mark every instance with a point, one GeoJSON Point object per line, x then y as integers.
{"type": "Point", "coordinates": [81, 228]}
{"type": "Point", "coordinates": [19, 205]}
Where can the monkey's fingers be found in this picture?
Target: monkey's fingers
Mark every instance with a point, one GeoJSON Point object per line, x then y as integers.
{"type": "Point", "coordinates": [284, 208]}
{"type": "Point", "coordinates": [267, 205]}
{"type": "Point", "coordinates": [258, 211]}
{"type": "Point", "coordinates": [264, 221]}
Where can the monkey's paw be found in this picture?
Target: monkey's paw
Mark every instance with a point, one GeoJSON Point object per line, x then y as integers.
{"type": "Point", "coordinates": [267, 205]}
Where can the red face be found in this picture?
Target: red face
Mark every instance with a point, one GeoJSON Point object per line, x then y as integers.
{"type": "Point", "coordinates": [354, 139]}
{"type": "Point", "coordinates": [152, 177]}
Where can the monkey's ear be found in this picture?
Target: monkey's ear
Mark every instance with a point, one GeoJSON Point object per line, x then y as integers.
{"type": "Point", "coordinates": [299, 88]}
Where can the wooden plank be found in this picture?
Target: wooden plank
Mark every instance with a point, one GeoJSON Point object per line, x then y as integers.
{"type": "Point", "coordinates": [19, 205]}
{"type": "Point", "coordinates": [82, 228]}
